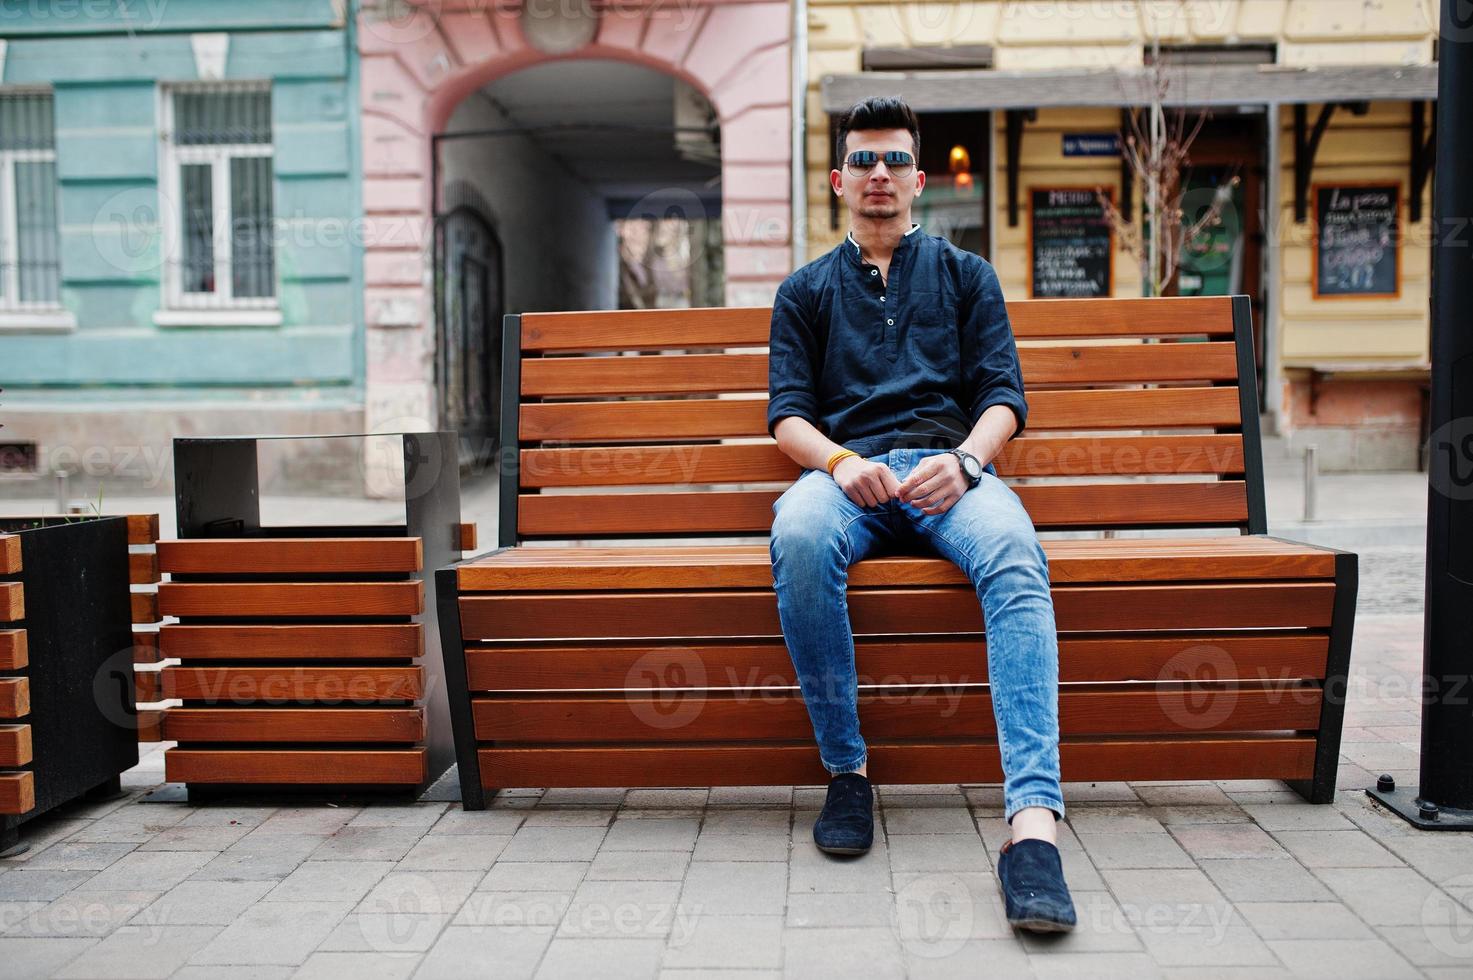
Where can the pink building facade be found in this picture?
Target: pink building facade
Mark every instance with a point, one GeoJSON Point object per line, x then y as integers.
{"type": "Point", "coordinates": [420, 60]}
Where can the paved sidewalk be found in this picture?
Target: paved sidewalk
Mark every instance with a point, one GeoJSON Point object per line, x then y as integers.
{"type": "Point", "coordinates": [1231, 878]}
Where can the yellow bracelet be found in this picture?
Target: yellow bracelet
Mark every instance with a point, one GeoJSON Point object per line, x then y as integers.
{"type": "Point", "coordinates": [836, 457]}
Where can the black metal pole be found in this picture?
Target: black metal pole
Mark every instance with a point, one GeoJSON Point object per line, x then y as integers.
{"type": "Point", "coordinates": [1445, 797]}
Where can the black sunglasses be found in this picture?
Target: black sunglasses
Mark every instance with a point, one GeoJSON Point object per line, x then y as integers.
{"type": "Point", "coordinates": [898, 162]}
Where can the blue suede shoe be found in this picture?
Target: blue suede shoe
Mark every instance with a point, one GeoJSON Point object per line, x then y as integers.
{"type": "Point", "coordinates": [847, 823]}
{"type": "Point", "coordinates": [1033, 889]}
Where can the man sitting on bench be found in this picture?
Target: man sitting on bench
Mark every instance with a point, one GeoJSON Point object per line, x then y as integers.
{"type": "Point", "coordinates": [894, 381]}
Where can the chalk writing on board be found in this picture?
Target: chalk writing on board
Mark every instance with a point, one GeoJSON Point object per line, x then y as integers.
{"type": "Point", "coordinates": [1071, 243]}
{"type": "Point", "coordinates": [1356, 240]}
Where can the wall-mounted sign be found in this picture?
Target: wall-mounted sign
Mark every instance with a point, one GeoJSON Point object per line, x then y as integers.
{"type": "Point", "coordinates": [1091, 144]}
{"type": "Point", "coordinates": [1070, 244]}
{"type": "Point", "coordinates": [1356, 252]}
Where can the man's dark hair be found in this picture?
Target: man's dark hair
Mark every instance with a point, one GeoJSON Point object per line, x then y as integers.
{"type": "Point", "coordinates": [879, 112]}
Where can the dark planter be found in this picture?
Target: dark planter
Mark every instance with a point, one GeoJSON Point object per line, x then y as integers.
{"type": "Point", "coordinates": [67, 717]}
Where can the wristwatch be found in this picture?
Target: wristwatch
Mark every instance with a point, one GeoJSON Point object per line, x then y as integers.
{"type": "Point", "coordinates": [971, 466]}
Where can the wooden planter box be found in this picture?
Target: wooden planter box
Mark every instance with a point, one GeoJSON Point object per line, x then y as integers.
{"type": "Point", "coordinates": [298, 652]}
{"type": "Point", "coordinates": [68, 726]}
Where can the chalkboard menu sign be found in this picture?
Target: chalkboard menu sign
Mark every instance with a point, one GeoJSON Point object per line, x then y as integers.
{"type": "Point", "coordinates": [1355, 240]}
{"type": "Point", "coordinates": [1070, 244]}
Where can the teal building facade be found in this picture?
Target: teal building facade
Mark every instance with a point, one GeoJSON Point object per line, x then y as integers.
{"type": "Point", "coordinates": [180, 246]}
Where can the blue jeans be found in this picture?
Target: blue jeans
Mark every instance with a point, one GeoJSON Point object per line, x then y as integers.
{"type": "Point", "coordinates": [818, 532]}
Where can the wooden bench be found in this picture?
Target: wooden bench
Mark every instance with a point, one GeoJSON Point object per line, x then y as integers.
{"type": "Point", "coordinates": [594, 648]}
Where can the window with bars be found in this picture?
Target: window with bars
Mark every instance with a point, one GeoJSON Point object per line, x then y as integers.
{"type": "Point", "coordinates": [30, 266]}
{"type": "Point", "coordinates": [218, 175]}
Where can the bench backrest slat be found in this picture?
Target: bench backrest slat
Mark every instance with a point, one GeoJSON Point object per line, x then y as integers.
{"type": "Point", "coordinates": [652, 423]}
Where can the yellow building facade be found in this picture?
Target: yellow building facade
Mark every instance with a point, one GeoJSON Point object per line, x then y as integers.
{"type": "Point", "coordinates": [1322, 110]}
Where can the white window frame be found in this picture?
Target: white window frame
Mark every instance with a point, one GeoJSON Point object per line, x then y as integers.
{"type": "Point", "coordinates": [16, 313]}
{"type": "Point", "coordinates": [221, 307]}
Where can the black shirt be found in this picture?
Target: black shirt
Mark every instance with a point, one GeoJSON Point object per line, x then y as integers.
{"type": "Point", "coordinates": [910, 363]}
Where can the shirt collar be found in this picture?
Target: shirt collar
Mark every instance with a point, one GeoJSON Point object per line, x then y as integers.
{"type": "Point", "coordinates": [858, 253]}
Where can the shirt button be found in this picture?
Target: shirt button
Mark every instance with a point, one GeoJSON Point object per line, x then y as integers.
{"type": "Point", "coordinates": [882, 299]}
{"type": "Point", "coordinates": [874, 272]}
{"type": "Point", "coordinates": [889, 323]}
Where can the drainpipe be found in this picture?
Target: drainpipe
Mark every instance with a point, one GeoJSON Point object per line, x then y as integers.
{"type": "Point", "coordinates": [1273, 271]}
{"type": "Point", "coordinates": [799, 188]}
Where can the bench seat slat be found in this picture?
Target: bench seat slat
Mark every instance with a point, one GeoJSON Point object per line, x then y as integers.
{"type": "Point", "coordinates": [283, 599]}
{"type": "Point", "coordinates": [338, 641]}
{"type": "Point", "coordinates": [190, 724]}
{"type": "Point", "coordinates": [967, 761]}
{"type": "Point", "coordinates": [261, 556]}
{"type": "Point", "coordinates": [750, 566]}
{"type": "Point", "coordinates": [704, 373]}
{"type": "Point", "coordinates": [1255, 655]}
{"type": "Point", "coordinates": [715, 418]}
{"type": "Point", "coordinates": [1222, 503]}
{"type": "Point", "coordinates": [337, 767]}
{"type": "Point", "coordinates": [1030, 456]}
{"type": "Point", "coordinates": [780, 715]}
{"type": "Point", "coordinates": [941, 609]}
{"type": "Point", "coordinates": [751, 326]}
{"type": "Point", "coordinates": [235, 685]}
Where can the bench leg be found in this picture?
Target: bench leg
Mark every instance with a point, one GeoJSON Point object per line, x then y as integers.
{"type": "Point", "coordinates": [457, 689]}
{"type": "Point", "coordinates": [1320, 788]}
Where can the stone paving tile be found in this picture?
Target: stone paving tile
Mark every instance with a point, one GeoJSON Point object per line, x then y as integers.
{"type": "Point", "coordinates": [751, 796]}
{"type": "Point", "coordinates": [734, 888]}
{"type": "Point", "coordinates": [421, 816]}
{"type": "Point", "coordinates": [329, 881]}
{"type": "Point", "coordinates": [534, 876]}
{"type": "Point", "coordinates": [358, 966]}
{"type": "Point", "coordinates": [478, 822]}
{"type": "Point", "coordinates": [148, 871]}
{"type": "Point", "coordinates": [562, 816]}
{"type": "Point", "coordinates": [476, 953]}
{"type": "Point", "coordinates": [757, 821]}
{"type": "Point", "coordinates": [811, 870]}
{"type": "Point", "coordinates": [842, 952]}
{"type": "Point", "coordinates": [1342, 958]}
{"type": "Point", "coordinates": [450, 852]}
{"type": "Point", "coordinates": [651, 834]}
{"type": "Point", "coordinates": [141, 952]}
{"type": "Point", "coordinates": [1254, 880]}
{"type": "Point", "coordinates": [539, 910]}
{"type": "Point", "coordinates": [1337, 849]}
{"type": "Point", "coordinates": [623, 910]}
{"type": "Point", "coordinates": [938, 852]}
{"type": "Point", "coordinates": [273, 934]}
{"type": "Point", "coordinates": [1227, 840]}
{"type": "Point", "coordinates": [386, 933]}
{"type": "Point", "coordinates": [79, 855]}
{"type": "Point", "coordinates": [1304, 920]}
{"type": "Point", "coordinates": [728, 941]}
{"type": "Point", "coordinates": [809, 910]}
{"type": "Point", "coordinates": [194, 902]}
{"type": "Point", "coordinates": [614, 959]}
{"type": "Point", "coordinates": [554, 844]}
{"type": "Point", "coordinates": [32, 958]}
{"type": "Point", "coordinates": [967, 958]}
{"type": "Point", "coordinates": [1382, 896]}
{"type": "Point", "coordinates": [741, 847]}
{"type": "Point", "coordinates": [640, 865]}
{"type": "Point", "coordinates": [23, 884]}
{"type": "Point", "coordinates": [695, 797]}
{"type": "Point", "coordinates": [82, 912]}
{"type": "Point", "coordinates": [928, 820]}
{"type": "Point", "coordinates": [1149, 850]}
{"type": "Point", "coordinates": [428, 892]}
{"type": "Point", "coordinates": [370, 842]}
{"type": "Point", "coordinates": [322, 820]}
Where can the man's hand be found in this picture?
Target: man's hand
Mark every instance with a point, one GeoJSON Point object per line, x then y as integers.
{"type": "Point", "coordinates": [865, 482]}
{"type": "Point", "coordinates": [935, 485]}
